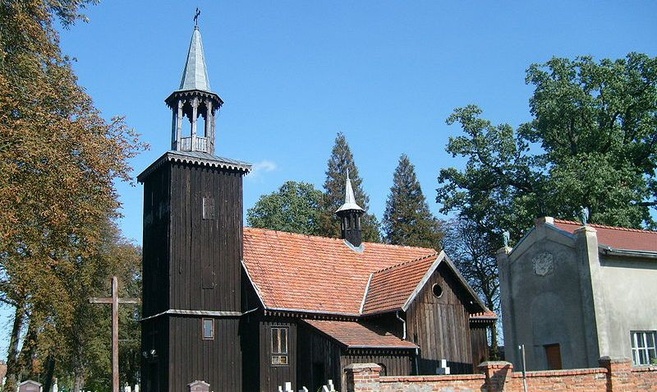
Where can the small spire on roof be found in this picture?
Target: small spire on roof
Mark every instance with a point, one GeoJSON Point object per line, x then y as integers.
{"type": "Point", "coordinates": [349, 198]}
{"type": "Point", "coordinates": [350, 214]}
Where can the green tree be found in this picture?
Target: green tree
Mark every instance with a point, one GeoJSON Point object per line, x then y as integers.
{"type": "Point", "coordinates": [597, 126]}
{"type": "Point", "coordinates": [407, 219]}
{"type": "Point", "coordinates": [592, 143]}
{"type": "Point", "coordinates": [58, 162]}
{"type": "Point", "coordinates": [497, 188]}
{"type": "Point", "coordinates": [340, 163]}
{"type": "Point", "coordinates": [295, 208]}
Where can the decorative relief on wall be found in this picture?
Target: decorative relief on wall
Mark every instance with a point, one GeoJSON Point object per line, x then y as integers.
{"type": "Point", "coordinates": [543, 263]}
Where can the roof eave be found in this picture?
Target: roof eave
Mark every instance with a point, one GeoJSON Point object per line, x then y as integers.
{"type": "Point", "coordinates": [465, 284]}
{"type": "Point", "coordinates": [301, 312]}
{"type": "Point", "coordinates": [643, 254]}
{"type": "Point", "coordinates": [177, 156]}
{"type": "Point", "coordinates": [363, 347]}
{"type": "Point", "coordinates": [174, 96]}
{"type": "Point", "coordinates": [423, 281]}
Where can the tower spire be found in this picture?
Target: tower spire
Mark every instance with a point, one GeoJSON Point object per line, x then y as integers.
{"type": "Point", "coordinates": [350, 213]}
{"type": "Point", "coordinates": [195, 101]}
{"type": "Point", "coordinates": [195, 75]}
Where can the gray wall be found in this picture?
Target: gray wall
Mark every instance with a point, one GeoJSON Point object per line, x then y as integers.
{"type": "Point", "coordinates": [545, 300]}
{"type": "Point", "coordinates": [558, 288]}
{"type": "Point", "coordinates": [628, 290]}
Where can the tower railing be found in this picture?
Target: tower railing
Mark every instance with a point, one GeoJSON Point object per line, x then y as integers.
{"type": "Point", "coordinates": [197, 143]}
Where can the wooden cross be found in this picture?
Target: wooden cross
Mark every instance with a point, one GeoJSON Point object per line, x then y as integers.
{"type": "Point", "coordinates": [115, 301]}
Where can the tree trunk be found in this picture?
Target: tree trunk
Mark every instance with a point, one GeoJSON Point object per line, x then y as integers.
{"type": "Point", "coordinates": [13, 364]}
{"type": "Point", "coordinates": [50, 372]}
{"type": "Point", "coordinates": [494, 352]}
{"type": "Point", "coordinates": [79, 382]}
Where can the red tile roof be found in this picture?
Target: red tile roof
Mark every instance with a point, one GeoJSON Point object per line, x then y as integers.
{"type": "Point", "coordinates": [616, 237]}
{"type": "Point", "coordinates": [356, 335]}
{"type": "Point", "coordinates": [300, 273]}
{"type": "Point", "coordinates": [484, 316]}
{"type": "Point", "coordinates": [391, 287]}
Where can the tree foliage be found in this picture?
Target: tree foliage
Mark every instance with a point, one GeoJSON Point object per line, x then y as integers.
{"type": "Point", "coordinates": [592, 143]}
{"type": "Point", "coordinates": [295, 208]}
{"type": "Point", "coordinates": [407, 219]}
{"type": "Point", "coordinates": [58, 162]}
{"type": "Point", "coordinates": [340, 162]}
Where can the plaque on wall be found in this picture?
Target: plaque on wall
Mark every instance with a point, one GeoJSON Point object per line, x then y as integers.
{"type": "Point", "coordinates": [543, 263]}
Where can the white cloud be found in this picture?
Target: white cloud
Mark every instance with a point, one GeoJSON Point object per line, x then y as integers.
{"type": "Point", "coordinates": [259, 168]}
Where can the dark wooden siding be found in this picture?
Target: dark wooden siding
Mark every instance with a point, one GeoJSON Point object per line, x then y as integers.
{"type": "Point", "coordinates": [440, 326]}
{"type": "Point", "coordinates": [182, 356]}
{"type": "Point", "coordinates": [273, 376]}
{"type": "Point", "coordinates": [192, 262]}
{"type": "Point", "coordinates": [154, 338]}
{"type": "Point", "coordinates": [205, 269]}
{"type": "Point", "coordinates": [250, 336]}
{"type": "Point", "coordinates": [321, 359]}
{"type": "Point", "coordinates": [480, 352]}
{"type": "Point", "coordinates": [217, 362]}
{"type": "Point", "coordinates": [155, 264]}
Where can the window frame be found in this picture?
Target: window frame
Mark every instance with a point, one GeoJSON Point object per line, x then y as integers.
{"type": "Point", "coordinates": [203, 328]}
{"type": "Point", "coordinates": [644, 347]}
{"type": "Point", "coordinates": [279, 347]}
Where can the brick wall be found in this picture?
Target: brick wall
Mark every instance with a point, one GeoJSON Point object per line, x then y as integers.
{"type": "Point", "coordinates": [613, 375]}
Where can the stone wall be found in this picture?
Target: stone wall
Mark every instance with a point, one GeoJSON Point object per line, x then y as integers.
{"type": "Point", "coordinates": [612, 375]}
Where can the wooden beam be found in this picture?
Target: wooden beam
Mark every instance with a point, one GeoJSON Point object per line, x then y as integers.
{"type": "Point", "coordinates": [115, 301]}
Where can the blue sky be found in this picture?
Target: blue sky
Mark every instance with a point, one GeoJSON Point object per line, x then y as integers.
{"type": "Point", "coordinates": [294, 73]}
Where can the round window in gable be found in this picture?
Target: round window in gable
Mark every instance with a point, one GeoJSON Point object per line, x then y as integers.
{"type": "Point", "coordinates": [437, 290]}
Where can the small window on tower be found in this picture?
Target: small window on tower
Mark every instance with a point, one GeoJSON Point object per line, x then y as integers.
{"type": "Point", "coordinates": [208, 208]}
{"type": "Point", "coordinates": [208, 329]}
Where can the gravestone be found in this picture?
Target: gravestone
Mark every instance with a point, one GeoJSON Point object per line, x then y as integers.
{"type": "Point", "coordinates": [199, 386]}
{"type": "Point", "coordinates": [29, 386]}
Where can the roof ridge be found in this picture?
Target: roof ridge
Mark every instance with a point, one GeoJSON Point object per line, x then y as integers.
{"type": "Point", "coordinates": [341, 240]}
{"type": "Point", "coordinates": [407, 262]}
{"type": "Point", "coordinates": [629, 229]}
{"type": "Point", "coordinates": [292, 233]}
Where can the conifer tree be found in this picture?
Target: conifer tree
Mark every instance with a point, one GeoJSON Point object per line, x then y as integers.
{"type": "Point", "coordinates": [339, 163]}
{"type": "Point", "coordinates": [407, 219]}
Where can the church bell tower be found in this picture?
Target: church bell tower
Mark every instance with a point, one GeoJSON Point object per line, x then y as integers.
{"type": "Point", "coordinates": [192, 247]}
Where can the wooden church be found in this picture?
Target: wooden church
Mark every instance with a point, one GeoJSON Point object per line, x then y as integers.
{"type": "Point", "coordinates": [245, 309]}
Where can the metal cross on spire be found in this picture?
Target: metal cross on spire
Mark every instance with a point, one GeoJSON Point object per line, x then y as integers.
{"type": "Point", "coordinates": [196, 15]}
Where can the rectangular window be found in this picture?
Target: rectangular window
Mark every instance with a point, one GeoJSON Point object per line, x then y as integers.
{"type": "Point", "coordinates": [643, 347]}
{"type": "Point", "coordinates": [208, 208]}
{"type": "Point", "coordinates": [279, 354]}
{"type": "Point", "coordinates": [208, 329]}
